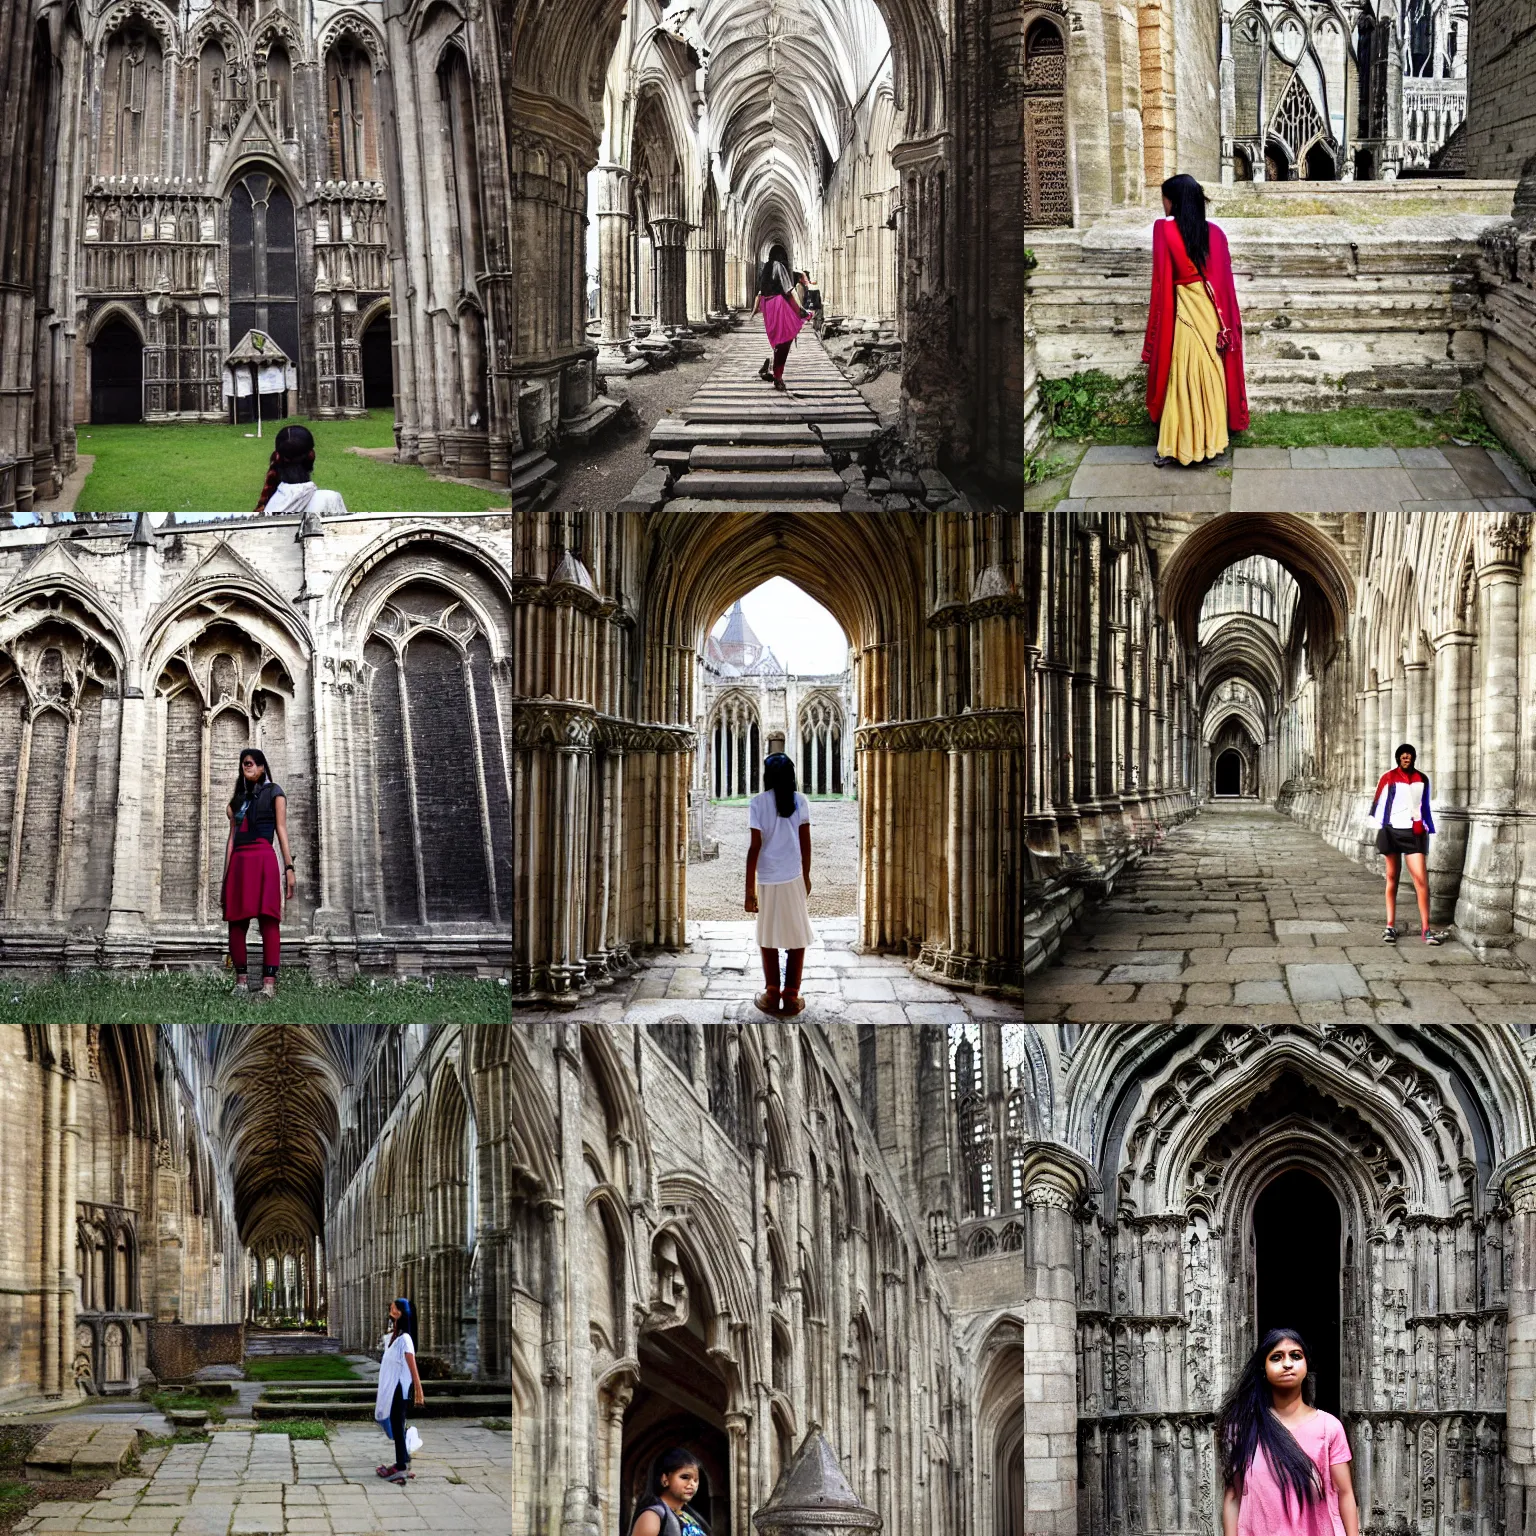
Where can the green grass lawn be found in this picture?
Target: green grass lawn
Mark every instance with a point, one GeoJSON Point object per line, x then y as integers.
{"type": "Point", "coordinates": [165, 1401]}
{"type": "Point", "coordinates": [150, 997]}
{"type": "Point", "coordinates": [215, 467]}
{"type": "Point", "coordinates": [299, 1368]}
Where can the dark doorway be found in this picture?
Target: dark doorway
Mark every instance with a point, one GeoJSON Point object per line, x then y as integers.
{"type": "Point", "coordinates": [1277, 164]}
{"type": "Point", "coordinates": [378, 365]}
{"type": "Point", "coordinates": [666, 1412]}
{"type": "Point", "coordinates": [1320, 165]}
{"type": "Point", "coordinates": [1296, 1229]}
{"type": "Point", "coordinates": [263, 276]}
{"type": "Point", "coordinates": [1229, 773]}
{"type": "Point", "coordinates": [117, 374]}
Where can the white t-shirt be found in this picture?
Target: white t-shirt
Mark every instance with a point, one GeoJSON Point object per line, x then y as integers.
{"type": "Point", "coordinates": [779, 859]}
{"type": "Point", "coordinates": [309, 498]}
{"type": "Point", "coordinates": [394, 1372]}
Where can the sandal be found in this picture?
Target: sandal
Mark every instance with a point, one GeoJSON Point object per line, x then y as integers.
{"type": "Point", "coordinates": [242, 987]}
{"type": "Point", "coordinates": [1389, 935]}
{"type": "Point", "coordinates": [768, 1001]}
{"type": "Point", "coordinates": [268, 988]}
{"type": "Point", "coordinates": [1431, 937]}
{"type": "Point", "coordinates": [388, 1471]}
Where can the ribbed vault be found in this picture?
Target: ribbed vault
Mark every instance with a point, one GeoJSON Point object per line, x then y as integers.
{"type": "Point", "coordinates": [279, 1088]}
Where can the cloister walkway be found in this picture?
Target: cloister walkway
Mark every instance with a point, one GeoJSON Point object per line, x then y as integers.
{"type": "Point", "coordinates": [1244, 915]}
{"type": "Point", "coordinates": [740, 446]}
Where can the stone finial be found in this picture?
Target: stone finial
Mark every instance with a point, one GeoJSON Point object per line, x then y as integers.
{"type": "Point", "coordinates": [311, 527]}
{"type": "Point", "coordinates": [143, 531]}
{"type": "Point", "coordinates": [813, 1496]}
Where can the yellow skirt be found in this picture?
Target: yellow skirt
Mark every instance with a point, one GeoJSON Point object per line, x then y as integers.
{"type": "Point", "coordinates": [784, 916]}
{"type": "Point", "coordinates": [1194, 424]}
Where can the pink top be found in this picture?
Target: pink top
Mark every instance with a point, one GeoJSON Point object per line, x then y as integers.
{"type": "Point", "coordinates": [1266, 1510]}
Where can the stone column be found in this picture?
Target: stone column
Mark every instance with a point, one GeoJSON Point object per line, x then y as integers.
{"type": "Point", "coordinates": [1055, 1179]}
{"type": "Point", "coordinates": [1416, 677]}
{"type": "Point", "coordinates": [1520, 1348]}
{"type": "Point", "coordinates": [1484, 909]}
{"type": "Point", "coordinates": [670, 238]}
{"type": "Point", "coordinates": [615, 271]}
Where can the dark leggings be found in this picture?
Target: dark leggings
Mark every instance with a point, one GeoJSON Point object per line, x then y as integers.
{"type": "Point", "coordinates": [397, 1428]}
{"type": "Point", "coordinates": [271, 945]}
{"type": "Point", "coordinates": [780, 357]}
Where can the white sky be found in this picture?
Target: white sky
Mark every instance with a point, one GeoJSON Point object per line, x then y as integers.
{"type": "Point", "coordinates": [804, 636]}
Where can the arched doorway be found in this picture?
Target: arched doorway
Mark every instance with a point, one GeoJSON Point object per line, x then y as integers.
{"type": "Point", "coordinates": [263, 271]}
{"type": "Point", "coordinates": [1320, 166]}
{"type": "Point", "coordinates": [378, 357]}
{"type": "Point", "coordinates": [1229, 773]}
{"type": "Point", "coordinates": [1277, 161]}
{"type": "Point", "coordinates": [117, 374]}
{"type": "Point", "coordinates": [1299, 1274]}
{"type": "Point", "coordinates": [1047, 195]}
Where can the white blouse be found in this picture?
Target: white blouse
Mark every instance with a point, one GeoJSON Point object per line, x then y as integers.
{"type": "Point", "coordinates": [394, 1371]}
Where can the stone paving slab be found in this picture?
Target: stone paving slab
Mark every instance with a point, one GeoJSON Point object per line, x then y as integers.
{"type": "Point", "coordinates": [1299, 939]}
{"type": "Point", "coordinates": [1323, 490]}
{"type": "Point", "coordinates": [244, 1484]}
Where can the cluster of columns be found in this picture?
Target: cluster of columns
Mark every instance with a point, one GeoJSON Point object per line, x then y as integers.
{"type": "Point", "coordinates": [822, 770]}
{"type": "Point", "coordinates": [736, 750]}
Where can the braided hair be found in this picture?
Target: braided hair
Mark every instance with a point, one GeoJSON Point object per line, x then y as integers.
{"type": "Point", "coordinates": [293, 460]}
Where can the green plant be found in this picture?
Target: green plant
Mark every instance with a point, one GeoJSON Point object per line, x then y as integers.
{"type": "Point", "coordinates": [300, 1368]}
{"type": "Point", "coordinates": [15, 1500]}
{"type": "Point", "coordinates": [181, 1437]}
{"type": "Point", "coordinates": [295, 1429]}
{"type": "Point", "coordinates": [1093, 404]}
{"type": "Point", "coordinates": [150, 997]}
{"type": "Point", "coordinates": [215, 467]}
{"type": "Point", "coordinates": [1465, 420]}
{"type": "Point", "coordinates": [1042, 468]}
{"type": "Point", "coordinates": [165, 1401]}
{"type": "Point", "coordinates": [1030, 260]}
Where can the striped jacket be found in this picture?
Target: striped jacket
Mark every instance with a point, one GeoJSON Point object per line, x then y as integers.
{"type": "Point", "coordinates": [1402, 800]}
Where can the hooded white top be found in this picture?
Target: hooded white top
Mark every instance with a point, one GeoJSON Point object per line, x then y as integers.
{"type": "Point", "coordinates": [394, 1372]}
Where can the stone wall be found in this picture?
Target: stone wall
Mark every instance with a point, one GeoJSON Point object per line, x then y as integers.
{"type": "Point", "coordinates": [1197, 28]}
{"type": "Point", "coordinates": [1500, 132]}
{"type": "Point", "coordinates": [1366, 293]}
{"type": "Point", "coordinates": [366, 655]}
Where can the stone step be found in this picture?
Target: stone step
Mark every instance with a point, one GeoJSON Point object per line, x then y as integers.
{"type": "Point", "coordinates": [437, 1406]}
{"type": "Point", "coordinates": [587, 423]}
{"type": "Point", "coordinates": [82, 1450]}
{"type": "Point", "coordinates": [527, 481]}
{"type": "Point", "coordinates": [791, 485]}
{"type": "Point", "coordinates": [672, 433]}
{"type": "Point", "coordinates": [713, 507]}
{"type": "Point", "coordinates": [707, 456]}
{"type": "Point", "coordinates": [777, 413]}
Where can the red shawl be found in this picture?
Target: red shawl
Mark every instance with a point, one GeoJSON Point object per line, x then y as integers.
{"type": "Point", "coordinates": [1171, 265]}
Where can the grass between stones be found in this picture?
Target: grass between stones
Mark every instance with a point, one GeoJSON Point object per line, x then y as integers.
{"type": "Point", "coordinates": [497, 1424]}
{"type": "Point", "coordinates": [165, 1401]}
{"type": "Point", "coordinates": [300, 1368]}
{"type": "Point", "coordinates": [215, 467]}
{"type": "Point", "coordinates": [181, 1437]}
{"type": "Point", "coordinates": [295, 1429]}
{"type": "Point", "coordinates": [149, 997]}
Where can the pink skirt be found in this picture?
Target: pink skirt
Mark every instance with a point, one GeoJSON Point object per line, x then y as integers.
{"type": "Point", "coordinates": [781, 320]}
{"type": "Point", "coordinates": [253, 884]}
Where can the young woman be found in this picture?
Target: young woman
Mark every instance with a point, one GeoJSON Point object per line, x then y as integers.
{"type": "Point", "coordinates": [257, 811]}
{"type": "Point", "coordinates": [290, 485]}
{"type": "Point", "coordinates": [396, 1370]}
{"type": "Point", "coordinates": [1194, 345]}
{"type": "Point", "coordinates": [1405, 824]}
{"type": "Point", "coordinates": [1284, 1462]}
{"type": "Point", "coordinates": [664, 1510]}
{"type": "Point", "coordinates": [778, 298]}
{"type": "Point", "coordinates": [779, 877]}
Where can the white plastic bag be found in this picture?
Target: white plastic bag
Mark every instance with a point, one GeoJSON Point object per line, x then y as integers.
{"type": "Point", "coordinates": [412, 1440]}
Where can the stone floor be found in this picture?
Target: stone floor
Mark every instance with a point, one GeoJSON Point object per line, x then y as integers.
{"type": "Point", "coordinates": [1319, 480]}
{"type": "Point", "coordinates": [716, 886]}
{"type": "Point", "coordinates": [246, 1484]}
{"type": "Point", "coordinates": [1243, 915]}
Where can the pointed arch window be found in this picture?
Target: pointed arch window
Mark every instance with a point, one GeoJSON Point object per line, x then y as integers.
{"type": "Point", "coordinates": [350, 107]}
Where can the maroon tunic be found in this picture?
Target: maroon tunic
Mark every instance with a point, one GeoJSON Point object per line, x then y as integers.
{"type": "Point", "coordinates": [253, 885]}
{"type": "Point", "coordinates": [1171, 266]}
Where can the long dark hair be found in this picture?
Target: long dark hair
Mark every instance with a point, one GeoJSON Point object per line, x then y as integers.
{"type": "Point", "coordinates": [293, 460]}
{"type": "Point", "coordinates": [779, 776]}
{"type": "Point", "coordinates": [406, 1322]}
{"type": "Point", "coordinates": [775, 281]}
{"type": "Point", "coordinates": [1248, 1424]}
{"type": "Point", "coordinates": [1188, 199]}
{"type": "Point", "coordinates": [673, 1461]}
{"type": "Point", "coordinates": [242, 790]}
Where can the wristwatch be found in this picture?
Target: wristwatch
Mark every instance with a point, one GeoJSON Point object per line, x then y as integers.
{"type": "Point", "coordinates": [287, 866]}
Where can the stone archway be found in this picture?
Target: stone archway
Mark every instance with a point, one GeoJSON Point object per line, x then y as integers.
{"type": "Point", "coordinates": [117, 374]}
{"type": "Point", "coordinates": [1403, 1131]}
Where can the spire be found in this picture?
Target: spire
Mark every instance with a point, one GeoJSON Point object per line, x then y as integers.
{"type": "Point", "coordinates": [813, 1496]}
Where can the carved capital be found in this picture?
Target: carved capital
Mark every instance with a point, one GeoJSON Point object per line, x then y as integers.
{"type": "Point", "coordinates": [1501, 540]}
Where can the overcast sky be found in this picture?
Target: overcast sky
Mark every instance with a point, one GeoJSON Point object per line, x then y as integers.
{"type": "Point", "coordinates": [804, 636]}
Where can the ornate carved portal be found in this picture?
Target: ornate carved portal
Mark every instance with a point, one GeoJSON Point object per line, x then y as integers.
{"type": "Point", "coordinates": [1409, 1287]}
{"type": "Point", "coordinates": [1047, 195]}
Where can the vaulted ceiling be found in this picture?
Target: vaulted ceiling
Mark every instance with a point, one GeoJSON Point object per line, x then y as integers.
{"type": "Point", "coordinates": [279, 1089]}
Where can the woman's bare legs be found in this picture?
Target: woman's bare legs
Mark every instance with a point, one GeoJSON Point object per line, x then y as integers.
{"type": "Point", "coordinates": [1394, 868]}
{"type": "Point", "coordinates": [1418, 869]}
